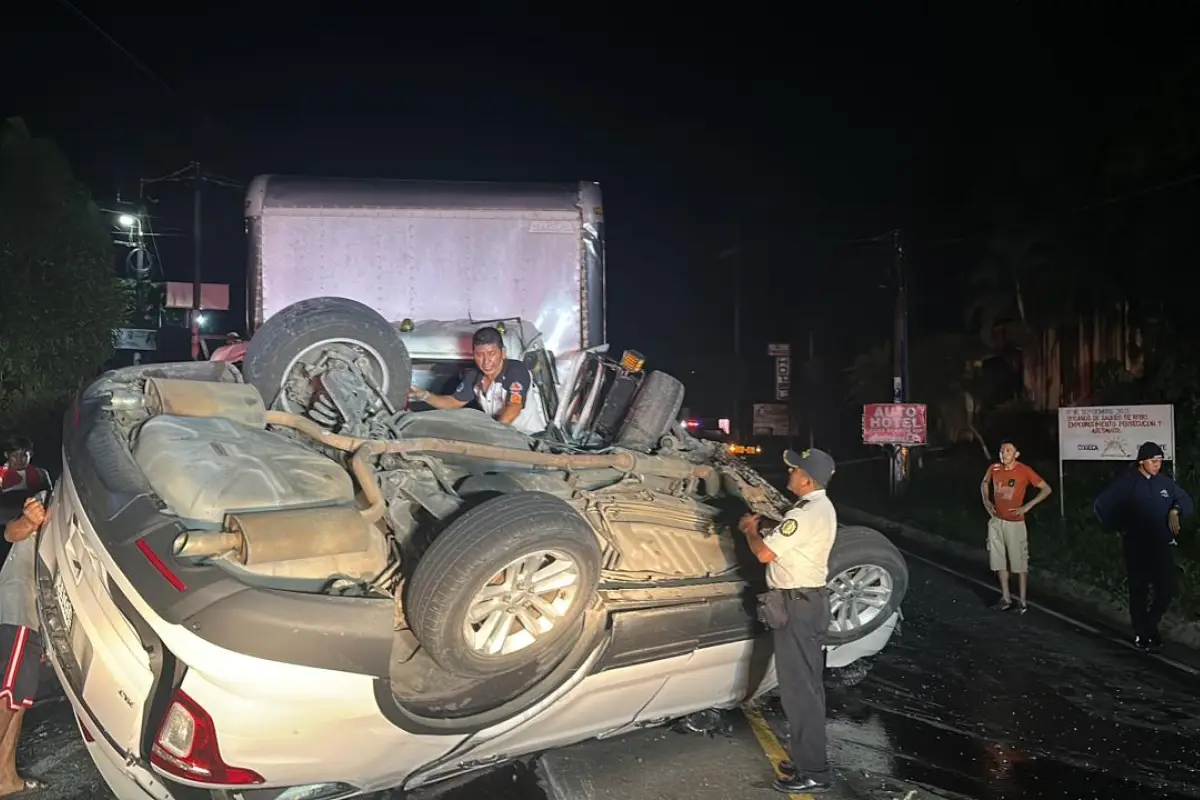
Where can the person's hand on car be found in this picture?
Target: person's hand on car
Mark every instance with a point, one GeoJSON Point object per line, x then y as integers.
{"type": "Point", "coordinates": [418, 395]}
{"type": "Point", "coordinates": [34, 511]}
{"type": "Point", "coordinates": [748, 523]}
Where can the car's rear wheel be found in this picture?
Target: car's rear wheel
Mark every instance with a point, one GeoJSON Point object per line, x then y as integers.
{"type": "Point", "coordinates": [503, 583]}
{"type": "Point", "coordinates": [297, 342]}
{"type": "Point", "coordinates": [868, 579]}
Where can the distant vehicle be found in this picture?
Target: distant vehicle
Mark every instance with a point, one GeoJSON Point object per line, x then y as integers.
{"type": "Point", "coordinates": [295, 588]}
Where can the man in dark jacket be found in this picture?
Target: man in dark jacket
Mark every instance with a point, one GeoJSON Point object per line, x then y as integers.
{"type": "Point", "coordinates": [1146, 506]}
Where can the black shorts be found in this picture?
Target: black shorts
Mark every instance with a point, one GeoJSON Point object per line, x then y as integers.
{"type": "Point", "coordinates": [21, 655]}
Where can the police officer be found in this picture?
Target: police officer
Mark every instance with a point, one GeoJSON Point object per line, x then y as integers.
{"type": "Point", "coordinates": [1146, 506]}
{"type": "Point", "coordinates": [796, 608]}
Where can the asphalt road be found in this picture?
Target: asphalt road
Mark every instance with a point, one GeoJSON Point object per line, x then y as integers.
{"type": "Point", "coordinates": [967, 703]}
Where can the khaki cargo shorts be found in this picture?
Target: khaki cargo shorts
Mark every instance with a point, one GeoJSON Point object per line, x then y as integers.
{"type": "Point", "coordinates": [1008, 545]}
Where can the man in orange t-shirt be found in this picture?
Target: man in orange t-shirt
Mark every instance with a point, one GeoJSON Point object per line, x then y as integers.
{"type": "Point", "coordinates": [1008, 538]}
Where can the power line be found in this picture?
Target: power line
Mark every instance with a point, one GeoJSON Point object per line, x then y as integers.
{"type": "Point", "coordinates": [1195, 176]}
{"type": "Point", "coordinates": [140, 65]}
{"type": "Point", "coordinates": [133, 59]}
{"type": "Point", "coordinates": [172, 176]}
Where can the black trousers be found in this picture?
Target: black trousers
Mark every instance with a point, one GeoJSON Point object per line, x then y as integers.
{"type": "Point", "coordinates": [800, 667]}
{"type": "Point", "coordinates": [1151, 570]}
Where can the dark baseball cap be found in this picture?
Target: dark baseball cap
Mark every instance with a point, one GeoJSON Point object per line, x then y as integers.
{"type": "Point", "coordinates": [1149, 450]}
{"type": "Point", "coordinates": [817, 463]}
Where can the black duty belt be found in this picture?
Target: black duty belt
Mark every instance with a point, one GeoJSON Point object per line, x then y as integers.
{"type": "Point", "coordinates": [803, 594]}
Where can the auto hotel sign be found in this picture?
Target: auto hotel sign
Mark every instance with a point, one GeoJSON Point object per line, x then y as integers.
{"type": "Point", "coordinates": [894, 423]}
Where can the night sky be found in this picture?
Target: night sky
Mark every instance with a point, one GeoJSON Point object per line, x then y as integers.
{"type": "Point", "coordinates": [794, 131]}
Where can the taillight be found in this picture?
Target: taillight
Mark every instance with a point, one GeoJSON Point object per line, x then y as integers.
{"type": "Point", "coordinates": [186, 746]}
{"type": "Point", "coordinates": [161, 566]}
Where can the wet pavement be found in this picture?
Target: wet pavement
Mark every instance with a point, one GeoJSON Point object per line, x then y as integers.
{"type": "Point", "coordinates": [968, 703]}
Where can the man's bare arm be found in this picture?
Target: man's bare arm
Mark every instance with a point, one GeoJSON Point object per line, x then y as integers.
{"type": "Point", "coordinates": [1044, 491]}
{"type": "Point", "coordinates": [442, 401]}
{"type": "Point", "coordinates": [27, 524]}
{"type": "Point", "coordinates": [509, 413]}
{"type": "Point", "coordinates": [983, 492]}
{"type": "Point", "coordinates": [749, 526]}
{"type": "Point", "coordinates": [18, 529]}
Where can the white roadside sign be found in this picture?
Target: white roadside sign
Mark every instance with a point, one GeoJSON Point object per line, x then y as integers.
{"type": "Point", "coordinates": [1113, 433]}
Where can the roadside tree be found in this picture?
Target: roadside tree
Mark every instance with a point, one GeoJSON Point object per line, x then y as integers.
{"type": "Point", "coordinates": [60, 300]}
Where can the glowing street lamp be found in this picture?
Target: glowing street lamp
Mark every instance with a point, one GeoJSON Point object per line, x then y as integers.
{"type": "Point", "coordinates": [127, 220]}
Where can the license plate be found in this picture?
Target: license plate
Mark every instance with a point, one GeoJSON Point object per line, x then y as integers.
{"type": "Point", "coordinates": [64, 602]}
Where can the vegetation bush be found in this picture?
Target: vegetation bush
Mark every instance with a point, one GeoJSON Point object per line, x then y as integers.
{"type": "Point", "coordinates": [61, 299]}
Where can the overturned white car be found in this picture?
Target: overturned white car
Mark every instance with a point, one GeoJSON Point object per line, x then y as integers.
{"type": "Point", "coordinates": [291, 584]}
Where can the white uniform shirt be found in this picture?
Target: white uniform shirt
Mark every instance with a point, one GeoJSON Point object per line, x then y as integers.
{"type": "Point", "coordinates": [531, 420]}
{"type": "Point", "coordinates": [801, 544]}
{"type": "Point", "coordinates": [513, 383]}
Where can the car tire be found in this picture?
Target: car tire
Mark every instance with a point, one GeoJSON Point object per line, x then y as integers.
{"type": "Point", "coordinates": [868, 579]}
{"type": "Point", "coordinates": [289, 334]}
{"type": "Point", "coordinates": [654, 410]}
{"type": "Point", "coordinates": [488, 542]}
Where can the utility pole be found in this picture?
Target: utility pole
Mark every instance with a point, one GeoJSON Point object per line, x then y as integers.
{"type": "Point", "coordinates": [194, 175]}
{"type": "Point", "coordinates": [197, 283]}
{"type": "Point", "coordinates": [900, 388]}
{"type": "Point", "coordinates": [812, 382]}
{"type": "Point", "coordinates": [735, 253]}
{"type": "Point", "coordinates": [737, 335]}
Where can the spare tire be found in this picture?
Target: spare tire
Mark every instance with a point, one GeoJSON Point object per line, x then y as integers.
{"type": "Point", "coordinates": [868, 579]}
{"type": "Point", "coordinates": [654, 410]}
{"type": "Point", "coordinates": [302, 330]}
{"type": "Point", "coordinates": [503, 584]}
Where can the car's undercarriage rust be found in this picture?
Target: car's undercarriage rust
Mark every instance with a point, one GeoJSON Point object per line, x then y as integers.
{"type": "Point", "coordinates": [364, 449]}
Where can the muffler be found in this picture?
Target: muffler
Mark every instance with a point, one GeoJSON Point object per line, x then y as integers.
{"type": "Point", "coordinates": [239, 402]}
{"type": "Point", "coordinates": [296, 543]}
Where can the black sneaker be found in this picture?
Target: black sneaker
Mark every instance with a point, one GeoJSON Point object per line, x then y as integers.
{"type": "Point", "coordinates": [1003, 605]}
{"type": "Point", "coordinates": [1021, 608]}
{"type": "Point", "coordinates": [1141, 643]}
{"type": "Point", "coordinates": [1154, 643]}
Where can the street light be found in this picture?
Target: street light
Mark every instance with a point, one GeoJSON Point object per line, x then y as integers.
{"type": "Point", "coordinates": [127, 220]}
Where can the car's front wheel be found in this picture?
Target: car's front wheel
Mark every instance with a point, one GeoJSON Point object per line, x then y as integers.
{"type": "Point", "coordinates": [503, 583]}
{"type": "Point", "coordinates": [868, 579]}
